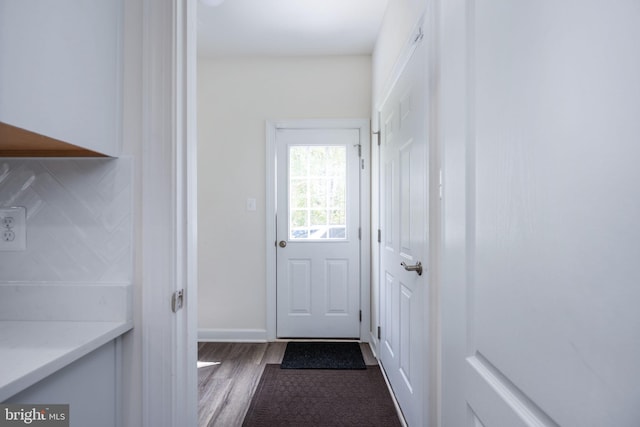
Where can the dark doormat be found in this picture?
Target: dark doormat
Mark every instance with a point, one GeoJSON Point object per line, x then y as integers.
{"type": "Point", "coordinates": [313, 398]}
{"type": "Point", "coordinates": [323, 355]}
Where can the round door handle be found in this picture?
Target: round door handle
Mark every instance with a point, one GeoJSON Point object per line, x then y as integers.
{"type": "Point", "coordinates": [282, 244]}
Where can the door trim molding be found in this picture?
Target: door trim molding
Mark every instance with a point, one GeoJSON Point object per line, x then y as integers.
{"type": "Point", "coordinates": [167, 259]}
{"type": "Point", "coordinates": [363, 125]}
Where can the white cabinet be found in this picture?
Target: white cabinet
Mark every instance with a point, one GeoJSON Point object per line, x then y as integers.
{"type": "Point", "coordinates": [90, 386]}
{"type": "Point", "coordinates": [61, 74]}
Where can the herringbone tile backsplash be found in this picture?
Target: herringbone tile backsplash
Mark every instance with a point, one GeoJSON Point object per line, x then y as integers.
{"type": "Point", "coordinates": [79, 219]}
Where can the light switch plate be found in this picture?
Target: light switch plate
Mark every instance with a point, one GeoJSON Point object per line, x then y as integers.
{"type": "Point", "coordinates": [251, 204]}
{"type": "Point", "coordinates": [13, 229]}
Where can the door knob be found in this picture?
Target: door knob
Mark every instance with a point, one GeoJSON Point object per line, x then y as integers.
{"type": "Point", "coordinates": [417, 268]}
{"type": "Point", "coordinates": [282, 244]}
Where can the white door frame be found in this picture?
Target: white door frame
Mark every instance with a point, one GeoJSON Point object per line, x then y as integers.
{"type": "Point", "coordinates": [363, 125]}
{"type": "Point", "coordinates": [169, 214]}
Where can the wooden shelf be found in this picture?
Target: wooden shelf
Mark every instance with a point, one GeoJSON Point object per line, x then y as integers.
{"type": "Point", "coordinates": [17, 142]}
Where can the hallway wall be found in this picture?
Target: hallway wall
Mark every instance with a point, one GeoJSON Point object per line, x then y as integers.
{"type": "Point", "coordinates": [235, 98]}
{"type": "Point", "coordinates": [400, 18]}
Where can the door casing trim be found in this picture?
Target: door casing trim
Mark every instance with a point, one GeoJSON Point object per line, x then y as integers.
{"type": "Point", "coordinates": [364, 126]}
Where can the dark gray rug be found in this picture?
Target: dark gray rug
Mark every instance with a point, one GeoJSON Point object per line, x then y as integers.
{"type": "Point", "coordinates": [327, 398]}
{"type": "Point", "coordinates": [323, 355]}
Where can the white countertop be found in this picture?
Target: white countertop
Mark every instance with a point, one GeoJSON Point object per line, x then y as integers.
{"type": "Point", "coordinates": [32, 350]}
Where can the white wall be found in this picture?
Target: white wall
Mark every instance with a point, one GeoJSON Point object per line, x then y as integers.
{"type": "Point", "coordinates": [400, 18]}
{"type": "Point", "coordinates": [235, 98]}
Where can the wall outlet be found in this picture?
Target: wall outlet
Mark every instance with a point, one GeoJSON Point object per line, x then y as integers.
{"type": "Point", "coordinates": [13, 229]}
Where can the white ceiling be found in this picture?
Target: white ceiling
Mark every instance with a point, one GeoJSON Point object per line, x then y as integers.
{"type": "Point", "coordinates": [289, 27]}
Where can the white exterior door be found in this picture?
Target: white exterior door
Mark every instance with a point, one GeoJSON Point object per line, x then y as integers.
{"type": "Point", "coordinates": [318, 236]}
{"type": "Point", "coordinates": [403, 219]}
{"type": "Point", "coordinates": [542, 200]}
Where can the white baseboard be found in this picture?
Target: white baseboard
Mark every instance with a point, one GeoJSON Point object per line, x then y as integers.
{"type": "Point", "coordinates": [393, 397]}
{"type": "Point", "coordinates": [232, 335]}
{"type": "Point", "coordinates": [373, 343]}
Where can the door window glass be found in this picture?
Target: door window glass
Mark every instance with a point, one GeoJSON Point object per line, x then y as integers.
{"type": "Point", "coordinates": [317, 192]}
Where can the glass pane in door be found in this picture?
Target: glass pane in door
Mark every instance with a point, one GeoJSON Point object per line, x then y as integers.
{"type": "Point", "coordinates": [317, 192]}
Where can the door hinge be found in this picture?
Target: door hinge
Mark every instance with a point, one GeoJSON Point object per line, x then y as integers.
{"type": "Point", "coordinates": [177, 300]}
{"type": "Point", "coordinates": [379, 332]}
{"type": "Point", "coordinates": [359, 233]}
{"type": "Point", "coordinates": [359, 149]}
{"type": "Point", "coordinates": [361, 315]}
{"type": "Point", "coordinates": [378, 134]}
{"type": "Point", "coordinates": [379, 236]}
{"type": "Point", "coordinates": [362, 161]}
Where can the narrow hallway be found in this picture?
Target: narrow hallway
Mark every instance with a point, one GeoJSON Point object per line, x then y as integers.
{"type": "Point", "coordinates": [228, 374]}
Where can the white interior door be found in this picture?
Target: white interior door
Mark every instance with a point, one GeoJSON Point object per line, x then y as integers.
{"type": "Point", "coordinates": [541, 283]}
{"type": "Point", "coordinates": [318, 215]}
{"type": "Point", "coordinates": [403, 216]}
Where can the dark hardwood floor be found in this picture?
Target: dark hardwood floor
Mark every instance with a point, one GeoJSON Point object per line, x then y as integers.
{"type": "Point", "coordinates": [228, 375]}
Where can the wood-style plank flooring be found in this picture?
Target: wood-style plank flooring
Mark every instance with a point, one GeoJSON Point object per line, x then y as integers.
{"type": "Point", "coordinates": [226, 386]}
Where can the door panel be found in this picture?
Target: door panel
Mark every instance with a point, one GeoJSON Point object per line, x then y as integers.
{"type": "Point", "coordinates": [549, 217]}
{"type": "Point", "coordinates": [406, 305]}
{"type": "Point", "coordinates": [337, 277]}
{"type": "Point", "coordinates": [404, 195]}
{"type": "Point", "coordinates": [299, 287]}
{"type": "Point", "coordinates": [390, 307]}
{"type": "Point", "coordinates": [318, 269]}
